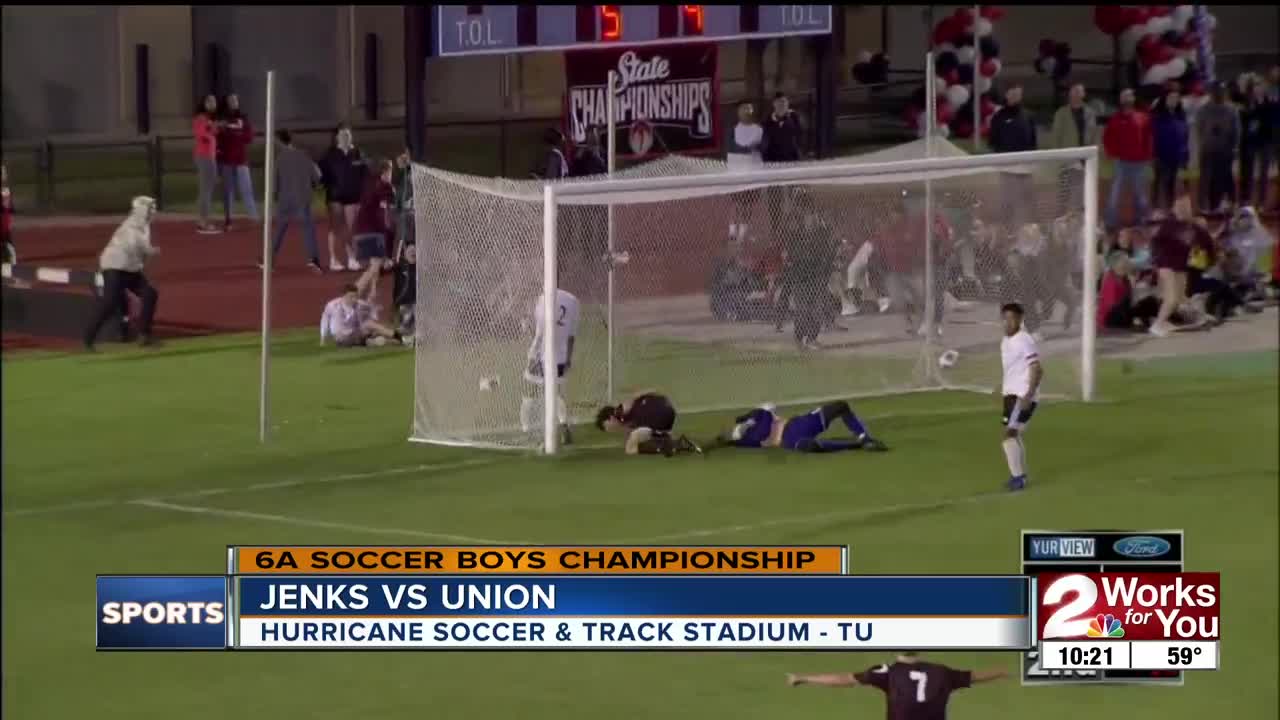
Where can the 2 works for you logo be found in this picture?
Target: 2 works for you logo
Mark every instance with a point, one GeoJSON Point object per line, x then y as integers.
{"type": "Point", "coordinates": [1133, 606]}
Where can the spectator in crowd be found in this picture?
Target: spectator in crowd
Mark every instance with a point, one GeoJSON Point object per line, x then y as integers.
{"type": "Point", "coordinates": [1074, 125]}
{"type": "Point", "coordinates": [902, 248]}
{"type": "Point", "coordinates": [809, 261]}
{"type": "Point", "coordinates": [554, 164]}
{"type": "Point", "coordinates": [350, 320]}
{"type": "Point", "coordinates": [295, 181]}
{"type": "Point", "coordinates": [235, 135]}
{"type": "Point", "coordinates": [371, 231]}
{"type": "Point", "coordinates": [404, 288]}
{"type": "Point", "coordinates": [6, 218]}
{"type": "Point", "coordinates": [1170, 250]}
{"type": "Point", "coordinates": [342, 172]}
{"type": "Point", "coordinates": [1257, 118]}
{"type": "Point", "coordinates": [1127, 141]}
{"type": "Point", "coordinates": [744, 156]}
{"type": "Point", "coordinates": [1171, 138]}
{"type": "Point", "coordinates": [588, 158]}
{"type": "Point", "coordinates": [204, 126]}
{"type": "Point", "coordinates": [406, 226]}
{"type": "Point", "coordinates": [780, 142]}
{"type": "Point", "coordinates": [1248, 241]}
{"type": "Point", "coordinates": [122, 262]}
{"type": "Point", "coordinates": [1218, 134]}
{"type": "Point", "coordinates": [1013, 129]}
{"type": "Point", "coordinates": [1273, 101]}
{"type": "Point", "coordinates": [1118, 309]}
{"type": "Point", "coordinates": [1028, 260]}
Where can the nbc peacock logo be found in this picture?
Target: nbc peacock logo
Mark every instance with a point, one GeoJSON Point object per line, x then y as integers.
{"type": "Point", "coordinates": [1105, 626]}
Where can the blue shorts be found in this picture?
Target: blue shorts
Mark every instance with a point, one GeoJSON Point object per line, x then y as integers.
{"type": "Point", "coordinates": [802, 428]}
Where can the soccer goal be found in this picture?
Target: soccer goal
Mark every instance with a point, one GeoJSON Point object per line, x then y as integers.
{"type": "Point", "coordinates": [792, 284]}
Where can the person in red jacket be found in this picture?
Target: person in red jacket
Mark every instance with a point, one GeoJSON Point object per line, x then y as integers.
{"type": "Point", "coordinates": [1117, 309]}
{"type": "Point", "coordinates": [235, 134]}
{"type": "Point", "coordinates": [1127, 140]}
{"type": "Point", "coordinates": [204, 126]}
{"type": "Point", "coordinates": [902, 248]}
{"type": "Point", "coordinates": [371, 232]}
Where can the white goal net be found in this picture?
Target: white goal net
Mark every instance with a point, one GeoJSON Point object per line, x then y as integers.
{"type": "Point", "coordinates": [725, 290]}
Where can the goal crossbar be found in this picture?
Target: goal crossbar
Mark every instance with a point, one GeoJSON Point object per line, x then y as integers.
{"type": "Point", "coordinates": [937, 168]}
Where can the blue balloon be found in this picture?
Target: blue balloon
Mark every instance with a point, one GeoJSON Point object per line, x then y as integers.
{"type": "Point", "coordinates": [966, 74]}
{"type": "Point", "coordinates": [989, 47]}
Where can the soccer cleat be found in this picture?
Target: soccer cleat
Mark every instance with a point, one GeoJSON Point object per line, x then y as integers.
{"type": "Point", "coordinates": [1016, 483]}
{"type": "Point", "coordinates": [874, 445]}
{"type": "Point", "coordinates": [684, 444]}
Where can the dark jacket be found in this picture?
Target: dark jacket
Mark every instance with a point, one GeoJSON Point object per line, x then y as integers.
{"type": "Point", "coordinates": [1171, 137]}
{"type": "Point", "coordinates": [296, 176]}
{"type": "Point", "coordinates": [588, 162]}
{"type": "Point", "coordinates": [1257, 128]}
{"type": "Point", "coordinates": [234, 139]}
{"type": "Point", "coordinates": [1012, 130]}
{"type": "Point", "coordinates": [1218, 128]}
{"type": "Point", "coordinates": [343, 175]}
{"type": "Point", "coordinates": [781, 141]}
{"type": "Point", "coordinates": [555, 166]}
{"type": "Point", "coordinates": [404, 289]}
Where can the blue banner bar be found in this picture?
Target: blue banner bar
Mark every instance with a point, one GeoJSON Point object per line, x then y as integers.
{"type": "Point", "coordinates": [862, 596]}
{"type": "Point", "coordinates": [162, 612]}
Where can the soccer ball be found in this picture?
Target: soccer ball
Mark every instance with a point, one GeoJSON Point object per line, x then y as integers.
{"type": "Point", "coordinates": [488, 383]}
{"type": "Point", "coordinates": [948, 359]}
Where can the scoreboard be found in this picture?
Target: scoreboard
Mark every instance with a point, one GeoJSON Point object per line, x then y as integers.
{"type": "Point", "coordinates": [487, 29]}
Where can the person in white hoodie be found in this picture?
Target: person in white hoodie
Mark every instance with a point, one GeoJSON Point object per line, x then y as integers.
{"type": "Point", "coordinates": [121, 264]}
{"type": "Point", "coordinates": [744, 156]}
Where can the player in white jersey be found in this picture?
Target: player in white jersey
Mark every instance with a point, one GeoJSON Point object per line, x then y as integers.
{"type": "Point", "coordinates": [1020, 386]}
{"type": "Point", "coordinates": [565, 324]}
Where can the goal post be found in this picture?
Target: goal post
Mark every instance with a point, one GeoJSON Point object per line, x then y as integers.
{"type": "Point", "coordinates": [892, 298]}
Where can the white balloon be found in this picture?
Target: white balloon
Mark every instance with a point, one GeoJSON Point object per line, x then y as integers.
{"type": "Point", "coordinates": [1211, 21]}
{"type": "Point", "coordinates": [1174, 68]}
{"type": "Point", "coordinates": [1159, 25]}
{"type": "Point", "coordinates": [966, 54]}
{"type": "Point", "coordinates": [957, 95]}
{"type": "Point", "coordinates": [983, 27]}
{"type": "Point", "coordinates": [984, 84]}
{"type": "Point", "coordinates": [945, 131]}
{"type": "Point", "coordinates": [939, 85]}
{"type": "Point", "coordinates": [1182, 15]}
{"type": "Point", "coordinates": [1155, 75]}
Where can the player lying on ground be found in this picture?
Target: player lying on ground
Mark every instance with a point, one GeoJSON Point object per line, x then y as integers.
{"type": "Point", "coordinates": [1020, 386]}
{"type": "Point", "coordinates": [763, 427]}
{"type": "Point", "coordinates": [648, 417]}
{"type": "Point", "coordinates": [565, 331]}
{"type": "Point", "coordinates": [350, 320]}
{"type": "Point", "coordinates": [913, 689]}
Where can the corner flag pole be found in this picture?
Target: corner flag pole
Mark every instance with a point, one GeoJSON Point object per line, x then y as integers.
{"type": "Point", "coordinates": [612, 149]}
{"type": "Point", "coordinates": [264, 415]}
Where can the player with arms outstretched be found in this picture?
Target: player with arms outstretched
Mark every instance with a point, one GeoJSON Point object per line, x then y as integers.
{"type": "Point", "coordinates": [647, 417]}
{"type": "Point", "coordinates": [913, 689]}
{"type": "Point", "coordinates": [1020, 386]}
{"type": "Point", "coordinates": [764, 428]}
{"type": "Point", "coordinates": [565, 325]}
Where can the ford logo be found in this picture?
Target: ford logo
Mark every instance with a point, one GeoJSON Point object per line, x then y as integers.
{"type": "Point", "coordinates": [1141, 546]}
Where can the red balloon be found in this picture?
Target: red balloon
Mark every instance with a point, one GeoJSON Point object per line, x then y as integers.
{"type": "Point", "coordinates": [988, 67]}
{"type": "Point", "coordinates": [988, 107]}
{"type": "Point", "coordinates": [1189, 41]}
{"type": "Point", "coordinates": [1110, 19]}
{"type": "Point", "coordinates": [1197, 88]}
{"type": "Point", "coordinates": [946, 31]}
{"type": "Point", "coordinates": [963, 15]}
{"type": "Point", "coordinates": [1138, 15]}
{"type": "Point", "coordinates": [952, 77]}
{"type": "Point", "coordinates": [986, 128]}
{"type": "Point", "coordinates": [992, 12]}
{"type": "Point", "coordinates": [1160, 10]}
{"type": "Point", "coordinates": [944, 113]}
{"type": "Point", "coordinates": [1147, 45]}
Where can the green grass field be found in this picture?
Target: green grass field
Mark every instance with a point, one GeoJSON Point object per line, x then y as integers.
{"type": "Point", "coordinates": [1186, 443]}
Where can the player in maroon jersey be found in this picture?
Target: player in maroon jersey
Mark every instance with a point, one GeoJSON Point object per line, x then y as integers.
{"type": "Point", "coordinates": [914, 689]}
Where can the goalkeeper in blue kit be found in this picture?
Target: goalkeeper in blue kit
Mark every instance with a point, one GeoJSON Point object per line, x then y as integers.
{"type": "Point", "coordinates": [763, 428]}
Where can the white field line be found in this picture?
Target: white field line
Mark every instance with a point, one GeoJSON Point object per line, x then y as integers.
{"type": "Point", "coordinates": [323, 524]}
{"type": "Point", "coordinates": [403, 470]}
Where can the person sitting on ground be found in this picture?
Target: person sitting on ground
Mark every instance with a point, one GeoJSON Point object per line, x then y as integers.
{"type": "Point", "coordinates": [350, 320]}
{"type": "Point", "coordinates": [1248, 241]}
{"type": "Point", "coordinates": [1117, 307]}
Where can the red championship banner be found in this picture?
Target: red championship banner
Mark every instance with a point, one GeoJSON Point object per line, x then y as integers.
{"type": "Point", "coordinates": [666, 102]}
{"type": "Point", "coordinates": [1128, 606]}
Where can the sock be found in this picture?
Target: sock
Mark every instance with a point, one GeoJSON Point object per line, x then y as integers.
{"type": "Point", "coordinates": [562, 413]}
{"type": "Point", "coordinates": [855, 425]}
{"type": "Point", "coordinates": [1014, 456]}
{"type": "Point", "coordinates": [528, 413]}
{"type": "Point", "coordinates": [1022, 454]}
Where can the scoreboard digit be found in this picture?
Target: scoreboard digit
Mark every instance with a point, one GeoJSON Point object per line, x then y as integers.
{"type": "Point", "coordinates": [487, 29]}
{"type": "Point", "coordinates": [1091, 551]}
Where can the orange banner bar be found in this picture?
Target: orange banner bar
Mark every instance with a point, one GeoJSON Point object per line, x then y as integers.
{"type": "Point", "coordinates": [558, 560]}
